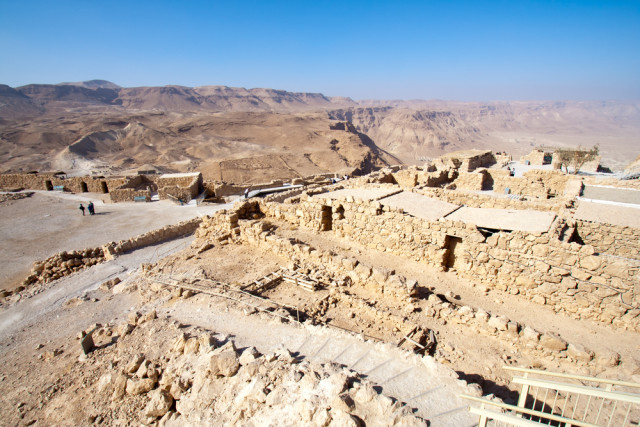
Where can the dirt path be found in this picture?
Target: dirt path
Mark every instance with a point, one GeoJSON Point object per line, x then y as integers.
{"type": "Point", "coordinates": [39, 310]}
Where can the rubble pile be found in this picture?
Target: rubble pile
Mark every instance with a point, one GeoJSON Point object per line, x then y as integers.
{"type": "Point", "coordinates": [151, 371]}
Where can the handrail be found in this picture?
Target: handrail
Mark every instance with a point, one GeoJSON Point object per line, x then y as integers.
{"type": "Point", "coordinates": [528, 411]}
{"type": "Point", "coordinates": [580, 389]}
{"type": "Point", "coordinates": [485, 415]}
{"type": "Point", "coordinates": [575, 377]}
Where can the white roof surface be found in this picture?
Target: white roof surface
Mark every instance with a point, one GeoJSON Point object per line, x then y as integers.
{"type": "Point", "coordinates": [419, 205]}
{"type": "Point", "coordinates": [505, 219]}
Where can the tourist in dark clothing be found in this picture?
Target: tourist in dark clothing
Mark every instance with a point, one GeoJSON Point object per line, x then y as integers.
{"type": "Point", "coordinates": [82, 209]}
{"type": "Point", "coordinates": [91, 208]}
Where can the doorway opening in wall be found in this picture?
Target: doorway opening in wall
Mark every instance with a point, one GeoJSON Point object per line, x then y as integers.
{"type": "Point", "coordinates": [83, 187]}
{"type": "Point", "coordinates": [105, 189]}
{"type": "Point", "coordinates": [452, 245]}
{"type": "Point", "coordinates": [326, 223]}
{"type": "Point", "coordinates": [48, 185]}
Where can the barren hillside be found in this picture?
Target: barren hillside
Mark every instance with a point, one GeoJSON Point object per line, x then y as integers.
{"type": "Point", "coordinates": [417, 129]}
{"type": "Point", "coordinates": [236, 147]}
{"type": "Point", "coordinates": [253, 135]}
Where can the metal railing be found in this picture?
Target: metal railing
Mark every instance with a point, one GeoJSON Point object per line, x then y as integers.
{"type": "Point", "coordinates": [576, 401]}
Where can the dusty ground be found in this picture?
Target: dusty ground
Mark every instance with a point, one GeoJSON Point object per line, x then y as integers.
{"type": "Point", "coordinates": [34, 228]}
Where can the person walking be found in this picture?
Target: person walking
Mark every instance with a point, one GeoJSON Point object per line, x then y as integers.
{"type": "Point", "coordinates": [82, 209]}
{"type": "Point", "coordinates": [91, 208]}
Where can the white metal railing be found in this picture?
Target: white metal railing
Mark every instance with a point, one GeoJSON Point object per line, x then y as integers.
{"type": "Point", "coordinates": [580, 401]}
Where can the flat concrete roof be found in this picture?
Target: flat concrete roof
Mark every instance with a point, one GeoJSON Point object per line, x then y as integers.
{"type": "Point", "coordinates": [612, 194]}
{"type": "Point", "coordinates": [179, 175]}
{"type": "Point", "coordinates": [608, 214]}
{"type": "Point", "coordinates": [419, 205]}
{"type": "Point", "coordinates": [359, 193]}
{"type": "Point", "coordinates": [505, 219]}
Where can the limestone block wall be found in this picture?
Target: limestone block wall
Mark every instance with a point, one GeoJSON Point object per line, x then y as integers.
{"type": "Point", "coordinates": [48, 181]}
{"type": "Point", "coordinates": [571, 278]}
{"type": "Point", "coordinates": [471, 180]}
{"type": "Point", "coordinates": [474, 162]}
{"type": "Point", "coordinates": [165, 233]}
{"type": "Point", "coordinates": [184, 193]}
{"type": "Point", "coordinates": [535, 183]}
{"type": "Point", "coordinates": [128, 195]}
{"type": "Point", "coordinates": [537, 157]}
{"type": "Point", "coordinates": [610, 239]}
{"type": "Point", "coordinates": [22, 180]}
{"type": "Point", "coordinates": [178, 180]}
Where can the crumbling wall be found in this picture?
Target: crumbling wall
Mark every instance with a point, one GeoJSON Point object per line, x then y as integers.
{"type": "Point", "coordinates": [168, 232]}
{"type": "Point", "coordinates": [571, 278]}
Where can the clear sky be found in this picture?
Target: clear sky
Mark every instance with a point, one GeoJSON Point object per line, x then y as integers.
{"type": "Point", "coordinates": [453, 50]}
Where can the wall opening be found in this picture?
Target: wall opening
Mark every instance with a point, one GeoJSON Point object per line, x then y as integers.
{"type": "Point", "coordinates": [48, 185]}
{"type": "Point", "coordinates": [575, 237]}
{"type": "Point", "coordinates": [487, 182]}
{"type": "Point", "coordinates": [83, 187]}
{"type": "Point", "coordinates": [452, 245]}
{"type": "Point", "coordinates": [105, 189]}
{"type": "Point", "coordinates": [326, 221]}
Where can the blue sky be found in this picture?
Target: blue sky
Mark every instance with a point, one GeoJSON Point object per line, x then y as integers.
{"type": "Point", "coordinates": [453, 50]}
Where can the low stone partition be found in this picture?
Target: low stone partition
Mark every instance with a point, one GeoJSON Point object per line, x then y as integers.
{"type": "Point", "coordinates": [571, 278]}
{"type": "Point", "coordinates": [168, 232]}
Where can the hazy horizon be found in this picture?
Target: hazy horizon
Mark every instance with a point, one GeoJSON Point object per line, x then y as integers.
{"type": "Point", "coordinates": [459, 51]}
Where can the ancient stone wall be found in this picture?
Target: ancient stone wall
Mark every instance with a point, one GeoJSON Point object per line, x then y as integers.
{"type": "Point", "coordinates": [471, 180]}
{"type": "Point", "coordinates": [48, 181]}
{"type": "Point", "coordinates": [178, 180]}
{"type": "Point", "coordinates": [184, 193]}
{"type": "Point", "coordinates": [387, 284]}
{"type": "Point", "coordinates": [538, 157]}
{"type": "Point", "coordinates": [569, 277]}
{"type": "Point", "coordinates": [168, 232]}
{"type": "Point", "coordinates": [128, 195]}
{"type": "Point", "coordinates": [22, 180]}
{"type": "Point", "coordinates": [535, 183]}
{"type": "Point", "coordinates": [610, 239]}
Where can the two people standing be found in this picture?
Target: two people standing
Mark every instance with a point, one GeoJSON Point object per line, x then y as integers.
{"type": "Point", "coordinates": [90, 208]}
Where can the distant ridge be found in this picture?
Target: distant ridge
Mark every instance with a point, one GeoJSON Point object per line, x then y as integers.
{"type": "Point", "coordinates": [93, 84]}
{"type": "Point", "coordinates": [51, 98]}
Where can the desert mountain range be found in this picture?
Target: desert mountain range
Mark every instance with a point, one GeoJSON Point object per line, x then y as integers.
{"type": "Point", "coordinates": [254, 135]}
